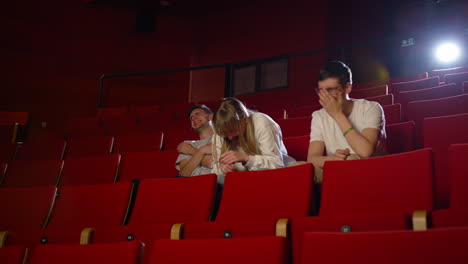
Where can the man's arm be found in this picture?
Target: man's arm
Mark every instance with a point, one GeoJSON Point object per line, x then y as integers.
{"type": "Point", "coordinates": [201, 157]}
{"type": "Point", "coordinates": [315, 154]}
{"type": "Point", "coordinates": [362, 143]}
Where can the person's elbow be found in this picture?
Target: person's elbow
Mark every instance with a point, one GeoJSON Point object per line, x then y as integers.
{"type": "Point", "coordinates": [366, 153]}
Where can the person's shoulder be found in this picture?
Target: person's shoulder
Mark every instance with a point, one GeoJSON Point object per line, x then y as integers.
{"type": "Point", "coordinates": [366, 104]}
{"type": "Point", "coordinates": [261, 117]}
{"type": "Point", "coordinates": [319, 113]}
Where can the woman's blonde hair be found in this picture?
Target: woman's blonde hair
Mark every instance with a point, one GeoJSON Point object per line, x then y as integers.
{"type": "Point", "coordinates": [229, 117]}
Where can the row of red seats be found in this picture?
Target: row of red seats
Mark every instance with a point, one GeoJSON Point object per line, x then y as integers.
{"type": "Point", "coordinates": [321, 248]}
{"type": "Point", "coordinates": [359, 195]}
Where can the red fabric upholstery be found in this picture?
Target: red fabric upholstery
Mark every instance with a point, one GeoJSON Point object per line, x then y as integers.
{"type": "Point", "coordinates": [7, 152]}
{"type": "Point", "coordinates": [117, 253]}
{"type": "Point", "coordinates": [369, 92]}
{"type": "Point", "coordinates": [32, 173]}
{"type": "Point", "coordinates": [394, 183]}
{"type": "Point", "coordinates": [295, 127]}
{"type": "Point", "coordinates": [104, 113]}
{"type": "Point", "coordinates": [83, 206]}
{"type": "Point", "coordinates": [172, 138]}
{"type": "Point", "coordinates": [383, 100]}
{"type": "Point", "coordinates": [236, 228]}
{"type": "Point", "coordinates": [176, 111]}
{"type": "Point", "coordinates": [267, 194]}
{"type": "Point", "coordinates": [345, 223]}
{"type": "Point", "coordinates": [275, 112]}
{"type": "Point", "coordinates": [122, 125]}
{"type": "Point", "coordinates": [419, 110]}
{"type": "Point", "coordinates": [178, 200]}
{"type": "Point", "coordinates": [439, 133]}
{"type": "Point", "coordinates": [392, 114]}
{"type": "Point", "coordinates": [457, 78]}
{"type": "Point", "coordinates": [25, 209]}
{"type": "Point", "coordinates": [90, 170]}
{"type": "Point", "coordinates": [415, 77]}
{"type": "Point", "coordinates": [12, 255]}
{"type": "Point", "coordinates": [8, 133]}
{"type": "Point", "coordinates": [272, 250]}
{"type": "Point", "coordinates": [90, 146]}
{"type": "Point", "coordinates": [415, 85]}
{"type": "Point", "coordinates": [138, 142]}
{"type": "Point", "coordinates": [365, 85]}
{"type": "Point", "coordinates": [400, 137]}
{"type": "Point", "coordinates": [433, 246]}
{"type": "Point", "coordinates": [302, 111]}
{"type": "Point", "coordinates": [297, 147]}
{"type": "Point", "coordinates": [7, 118]}
{"type": "Point", "coordinates": [450, 217]}
{"type": "Point", "coordinates": [137, 111]}
{"type": "Point", "coordinates": [148, 165]}
{"type": "Point", "coordinates": [84, 127]}
{"type": "Point", "coordinates": [41, 134]}
{"type": "Point", "coordinates": [426, 94]}
{"type": "Point", "coordinates": [3, 167]}
{"type": "Point", "coordinates": [458, 170]}
{"type": "Point", "coordinates": [442, 72]}
{"type": "Point", "coordinates": [42, 150]}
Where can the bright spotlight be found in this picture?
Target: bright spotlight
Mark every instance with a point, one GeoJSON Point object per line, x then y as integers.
{"type": "Point", "coordinates": [448, 52]}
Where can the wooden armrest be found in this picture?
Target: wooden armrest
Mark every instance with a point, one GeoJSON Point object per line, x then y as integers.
{"type": "Point", "coordinates": [419, 220]}
{"type": "Point", "coordinates": [176, 231]}
{"type": "Point", "coordinates": [86, 236]}
{"type": "Point", "coordinates": [282, 228]}
{"type": "Point", "coordinates": [3, 237]}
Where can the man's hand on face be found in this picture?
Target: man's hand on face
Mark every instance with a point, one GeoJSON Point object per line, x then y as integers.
{"type": "Point", "coordinates": [333, 105]}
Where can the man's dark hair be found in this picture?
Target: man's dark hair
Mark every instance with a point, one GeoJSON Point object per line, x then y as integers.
{"type": "Point", "coordinates": [204, 107]}
{"type": "Point", "coordinates": [338, 70]}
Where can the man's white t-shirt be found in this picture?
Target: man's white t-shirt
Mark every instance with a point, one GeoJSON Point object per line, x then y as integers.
{"type": "Point", "coordinates": [365, 114]}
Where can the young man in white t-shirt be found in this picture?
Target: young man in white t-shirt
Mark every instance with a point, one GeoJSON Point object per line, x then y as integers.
{"type": "Point", "coordinates": [345, 128]}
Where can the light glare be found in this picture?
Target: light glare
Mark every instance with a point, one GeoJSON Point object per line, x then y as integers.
{"type": "Point", "coordinates": [447, 52]}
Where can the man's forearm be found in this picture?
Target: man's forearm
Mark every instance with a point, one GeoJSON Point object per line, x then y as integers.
{"type": "Point", "coordinates": [356, 140]}
{"type": "Point", "coordinates": [192, 164]}
{"type": "Point", "coordinates": [319, 161]}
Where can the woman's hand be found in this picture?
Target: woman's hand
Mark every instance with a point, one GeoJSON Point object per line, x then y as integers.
{"type": "Point", "coordinates": [233, 156]}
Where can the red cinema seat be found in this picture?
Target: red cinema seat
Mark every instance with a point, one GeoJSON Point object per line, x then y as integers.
{"type": "Point", "coordinates": [400, 137]}
{"type": "Point", "coordinates": [383, 100]}
{"type": "Point", "coordinates": [365, 85]}
{"type": "Point", "coordinates": [393, 183]}
{"type": "Point", "coordinates": [369, 92]}
{"type": "Point", "coordinates": [297, 147]}
{"type": "Point", "coordinates": [42, 150]}
{"type": "Point", "coordinates": [9, 133]}
{"type": "Point", "coordinates": [172, 138]}
{"type": "Point", "coordinates": [90, 146]}
{"type": "Point", "coordinates": [457, 78]}
{"type": "Point", "coordinates": [295, 127]}
{"type": "Point", "coordinates": [272, 250]}
{"type": "Point", "coordinates": [45, 135]}
{"type": "Point", "coordinates": [419, 110]}
{"type": "Point", "coordinates": [24, 212]}
{"type": "Point", "coordinates": [439, 133]}
{"type": "Point", "coordinates": [7, 118]}
{"type": "Point", "coordinates": [103, 113]}
{"type": "Point", "coordinates": [361, 222]}
{"type": "Point", "coordinates": [12, 255]}
{"type": "Point", "coordinates": [7, 152]}
{"type": "Point", "coordinates": [414, 77]}
{"type": "Point", "coordinates": [427, 94]}
{"type": "Point", "coordinates": [161, 203]}
{"type": "Point", "coordinates": [387, 247]}
{"type": "Point", "coordinates": [302, 111]}
{"type": "Point", "coordinates": [90, 170]}
{"type": "Point", "coordinates": [122, 125]}
{"type": "Point", "coordinates": [3, 167]}
{"type": "Point", "coordinates": [87, 206]}
{"type": "Point", "coordinates": [148, 165]}
{"type": "Point", "coordinates": [84, 127]}
{"type": "Point", "coordinates": [392, 114]}
{"type": "Point", "coordinates": [138, 142]}
{"type": "Point", "coordinates": [117, 253]}
{"type": "Point", "coordinates": [442, 72]}
{"type": "Point", "coordinates": [31, 173]}
{"type": "Point", "coordinates": [248, 211]}
{"type": "Point", "coordinates": [138, 110]}
{"type": "Point", "coordinates": [415, 85]}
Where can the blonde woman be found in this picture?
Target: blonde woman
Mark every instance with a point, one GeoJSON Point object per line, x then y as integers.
{"type": "Point", "coordinates": [246, 140]}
